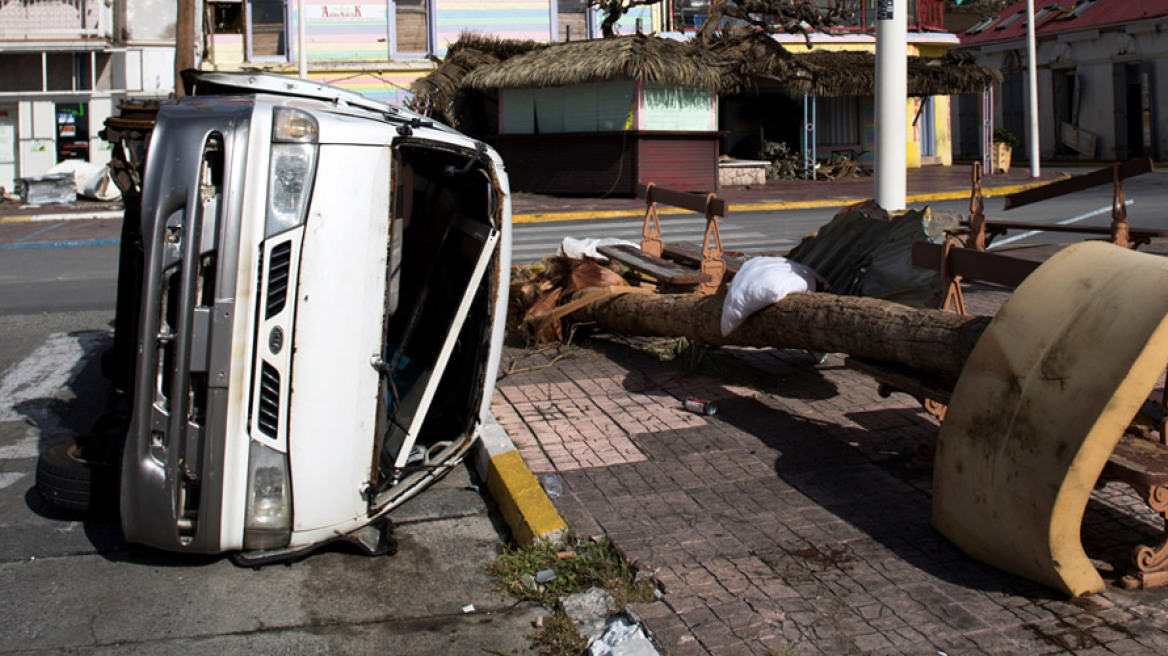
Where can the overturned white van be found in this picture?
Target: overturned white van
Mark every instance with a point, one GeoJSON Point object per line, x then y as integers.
{"type": "Point", "coordinates": [320, 314]}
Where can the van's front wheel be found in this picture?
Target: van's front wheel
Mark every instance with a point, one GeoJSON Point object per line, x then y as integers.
{"type": "Point", "coordinates": [69, 480]}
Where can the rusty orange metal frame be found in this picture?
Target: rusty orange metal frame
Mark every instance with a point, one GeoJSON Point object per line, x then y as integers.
{"type": "Point", "coordinates": [982, 231]}
{"type": "Point", "coordinates": [713, 264]}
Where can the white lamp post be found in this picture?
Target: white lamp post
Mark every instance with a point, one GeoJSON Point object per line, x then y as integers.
{"type": "Point", "coordinates": [891, 97]}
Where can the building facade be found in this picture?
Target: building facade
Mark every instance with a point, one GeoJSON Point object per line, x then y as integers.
{"type": "Point", "coordinates": [64, 67]}
{"type": "Point", "coordinates": [1102, 68]}
{"type": "Point", "coordinates": [379, 47]}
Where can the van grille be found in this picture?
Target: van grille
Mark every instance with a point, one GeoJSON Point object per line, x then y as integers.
{"type": "Point", "coordinates": [281, 259]}
{"type": "Point", "coordinates": [268, 421]}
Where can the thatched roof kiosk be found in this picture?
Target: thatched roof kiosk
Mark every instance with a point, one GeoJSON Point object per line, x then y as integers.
{"type": "Point", "coordinates": [600, 116]}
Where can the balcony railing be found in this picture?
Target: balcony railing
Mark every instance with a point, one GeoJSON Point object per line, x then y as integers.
{"type": "Point", "coordinates": [922, 14]}
{"type": "Point", "coordinates": [55, 20]}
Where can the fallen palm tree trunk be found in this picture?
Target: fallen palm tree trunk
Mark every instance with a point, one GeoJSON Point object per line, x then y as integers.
{"type": "Point", "coordinates": [927, 341]}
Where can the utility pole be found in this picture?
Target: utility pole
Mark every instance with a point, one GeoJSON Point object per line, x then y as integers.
{"type": "Point", "coordinates": [184, 42]}
{"type": "Point", "coordinates": [302, 39]}
{"type": "Point", "coordinates": [891, 97]}
{"type": "Point", "coordinates": [1035, 168]}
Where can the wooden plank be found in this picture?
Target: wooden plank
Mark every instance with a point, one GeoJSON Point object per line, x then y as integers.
{"type": "Point", "coordinates": [691, 254]}
{"type": "Point", "coordinates": [974, 265]}
{"type": "Point", "coordinates": [682, 199]}
{"type": "Point", "coordinates": [655, 267]}
{"type": "Point", "coordinates": [1138, 461]}
{"type": "Point", "coordinates": [1078, 183]}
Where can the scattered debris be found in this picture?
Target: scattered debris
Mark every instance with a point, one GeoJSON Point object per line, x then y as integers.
{"type": "Point", "coordinates": [545, 575]}
{"type": "Point", "coordinates": [580, 565]}
{"type": "Point", "coordinates": [52, 188]}
{"type": "Point", "coordinates": [622, 637]}
{"type": "Point", "coordinates": [589, 611]}
{"type": "Point", "coordinates": [578, 249]}
{"type": "Point", "coordinates": [469, 608]}
{"type": "Point", "coordinates": [553, 486]}
{"type": "Point", "coordinates": [700, 406]}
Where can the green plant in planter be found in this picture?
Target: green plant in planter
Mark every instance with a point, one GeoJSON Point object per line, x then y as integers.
{"type": "Point", "coordinates": [1005, 137]}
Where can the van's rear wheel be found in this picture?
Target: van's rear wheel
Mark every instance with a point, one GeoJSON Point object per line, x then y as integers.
{"type": "Point", "coordinates": [68, 479]}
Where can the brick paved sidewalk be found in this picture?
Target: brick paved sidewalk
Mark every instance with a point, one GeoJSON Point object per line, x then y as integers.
{"type": "Point", "coordinates": [796, 520]}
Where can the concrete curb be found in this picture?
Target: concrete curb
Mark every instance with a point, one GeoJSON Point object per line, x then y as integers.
{"type": "Point", "coordinates": [521, 499]}
{"type": "Point", "coordinates": [543, 217]}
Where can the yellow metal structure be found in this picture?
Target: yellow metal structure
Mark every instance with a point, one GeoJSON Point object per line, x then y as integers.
{"type": "Point", "coordinates": [1047, 393]}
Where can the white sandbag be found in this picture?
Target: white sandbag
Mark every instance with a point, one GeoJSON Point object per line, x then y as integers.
{"type": "Point", "coordinates": [762, 282]}
{"type": "Point", "coordinates": [92, 180]}
{"type": "Point", "coordinates": [101, 187]}
{"type": "Point", "coordinates": [580, 248]}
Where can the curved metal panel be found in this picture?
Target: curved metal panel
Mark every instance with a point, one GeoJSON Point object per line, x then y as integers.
{"type": "Point", "coordinates": [1046, 395]}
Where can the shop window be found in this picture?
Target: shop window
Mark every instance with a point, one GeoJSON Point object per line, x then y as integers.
{"type": "Point", "coordinates": [572, 20]}
{"type": "Point", "coordinates": [227, 18]}
{"type": "Point", "coordinates": [72, 131]}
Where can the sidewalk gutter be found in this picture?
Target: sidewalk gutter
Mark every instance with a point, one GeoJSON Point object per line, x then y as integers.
{"type": "Point", "coordinates": [521, 499]}
{"type": "Point", "coordinates": [542, 217]}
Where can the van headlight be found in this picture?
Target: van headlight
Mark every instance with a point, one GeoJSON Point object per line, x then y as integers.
{"type": "Point", "coordinates": [268, 519]}
{"type": "Point", "coordinates": [295, 137]}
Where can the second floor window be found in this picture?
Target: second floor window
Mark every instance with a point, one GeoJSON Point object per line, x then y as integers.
{"type": "Point", "coordinates": [412, 27]}
{"type": "Point", "coordinates": [267, 29]}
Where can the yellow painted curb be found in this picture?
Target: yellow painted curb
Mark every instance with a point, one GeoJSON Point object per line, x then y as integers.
{"type": "Point", "coordinates": [990, 192]}
{"type": "Point", "coordinates": [522, 501]}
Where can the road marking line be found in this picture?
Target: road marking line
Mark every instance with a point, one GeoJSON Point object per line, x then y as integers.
{"type": "Point", "coordinates": [27, 447]}
{"type": "Point", "coordinates": [1073, 219]}
{"type": "Point", "coordinates": [8, 478]}
{"type": "Point", "coordinates": [41, 374]}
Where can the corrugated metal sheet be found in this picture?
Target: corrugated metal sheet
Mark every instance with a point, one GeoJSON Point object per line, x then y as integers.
{"type": "Point", "coordinates": [680, 162]}
{"type": "Point", "coordinates": [580, 163]}
{"type": "Point", "coordinates": [1099, 14]}
{"type": "Point", "coordinates": [609, 162]}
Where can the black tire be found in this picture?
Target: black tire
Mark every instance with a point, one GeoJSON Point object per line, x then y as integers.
{"type": "Point", "coordinates": [66, 480]}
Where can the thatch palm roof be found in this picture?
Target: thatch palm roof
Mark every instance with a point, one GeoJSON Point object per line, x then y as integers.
{"type": "Point", "coordinates": [851, 73]}
{"type": "Point", "coordinates": [440, 88]}
{"type": "Point", "coordinates": [637, 57]}
{"type": "Point", "coordinates": [733, 62]}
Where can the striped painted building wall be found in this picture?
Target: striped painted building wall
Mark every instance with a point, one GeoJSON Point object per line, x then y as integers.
{"type": "Point", "coordinates": [357, 30]}
{"type": "Point", "coordinates": [379, 47]}
{"type": "Point", "coordinates": [391, 86]}
{"type": "Point", "coordinates": [508, 19]}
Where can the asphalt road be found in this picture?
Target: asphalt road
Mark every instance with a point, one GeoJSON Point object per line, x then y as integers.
{"type": "Point", "coordinates": [778, 232]}
{"type": "Point", "coordinates": [72, 585]}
